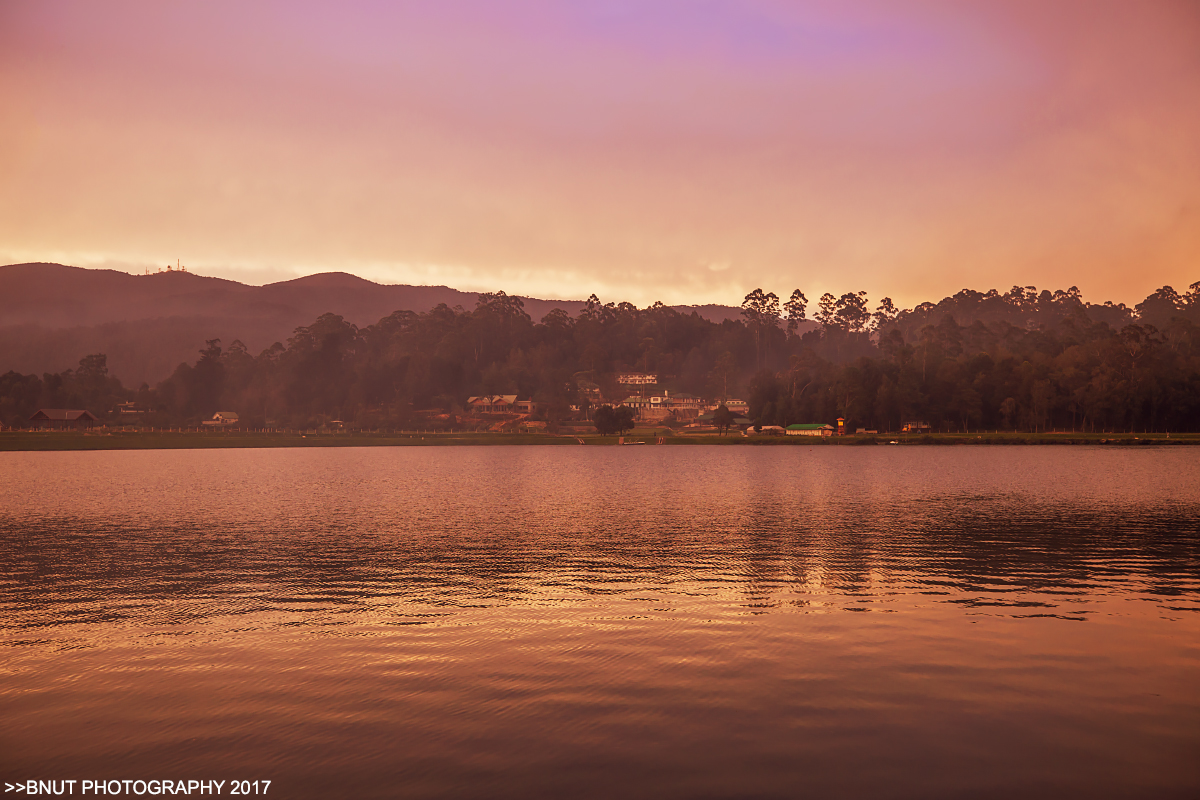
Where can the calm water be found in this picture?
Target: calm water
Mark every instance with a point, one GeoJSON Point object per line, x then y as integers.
{"type": "Point", "coordinates": [600, 622]}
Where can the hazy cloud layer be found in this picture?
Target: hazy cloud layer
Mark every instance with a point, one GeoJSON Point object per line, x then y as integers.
{"type": "Point", "coordinates": [683, 151]}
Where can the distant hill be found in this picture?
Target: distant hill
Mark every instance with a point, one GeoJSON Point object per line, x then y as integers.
{"type": "Point", "coordinates": [52, 315]}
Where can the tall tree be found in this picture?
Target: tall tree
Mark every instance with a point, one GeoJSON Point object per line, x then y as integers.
{"type": "Point", "coordinates": [795, 307]}
{"type": "Point", "coordinates": [761, 312]}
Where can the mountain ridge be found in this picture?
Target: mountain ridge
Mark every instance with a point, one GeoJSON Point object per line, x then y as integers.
{"type": "Point", "coordinates": [51, 315]}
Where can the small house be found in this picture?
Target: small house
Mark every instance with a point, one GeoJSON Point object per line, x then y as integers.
{"type": "Point", "coordinates": [222, 418]}
{"type": "Point", "coordinates": [809, 429]}
{"type": "Point", "coordinates": [492, 403]}
{"type": "Point", "coordinates": [764, 430]}
{"type": "Point", "coordinates": [63, 419]}
{"type": "Point", "coordinates": [709, 419]}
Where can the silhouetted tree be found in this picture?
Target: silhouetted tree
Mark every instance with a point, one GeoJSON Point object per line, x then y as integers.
{"type": "Point", "coordinates": [723, 418]}
{"type": "Point", "coordinates": [609, 420]}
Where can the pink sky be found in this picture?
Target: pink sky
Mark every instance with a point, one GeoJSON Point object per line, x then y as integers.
{"type": "Point", "coordinates": [685, 151]}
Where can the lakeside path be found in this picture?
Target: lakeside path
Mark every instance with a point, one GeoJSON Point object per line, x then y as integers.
{"type": "Point", "coordinates": [11, 441]}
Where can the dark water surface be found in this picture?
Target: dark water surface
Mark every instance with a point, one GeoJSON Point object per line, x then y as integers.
{"type": "Point", "coordinates": [606, 622]}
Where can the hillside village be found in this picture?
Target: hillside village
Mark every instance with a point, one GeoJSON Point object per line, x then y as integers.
{"type": "Point", "coordinates": [640, 392]}
{"type": "Point", "coordinates": [649, 406]}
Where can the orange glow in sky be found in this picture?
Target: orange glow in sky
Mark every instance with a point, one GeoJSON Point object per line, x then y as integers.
{"type": "Point", "coordinates": [655, 150]}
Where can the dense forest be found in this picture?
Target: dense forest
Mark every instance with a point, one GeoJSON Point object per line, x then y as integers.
{"type": "Point", "coordinates": [1024, 360]}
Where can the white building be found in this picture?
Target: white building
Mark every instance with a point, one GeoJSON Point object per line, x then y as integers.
{"type": "Point", "coordinates": [661, 406]}
{"type": "Point", "coordinates": [733, 404]}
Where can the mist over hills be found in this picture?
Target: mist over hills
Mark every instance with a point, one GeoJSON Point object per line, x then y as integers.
{"type": "Point", "coordinates": [51, 315]}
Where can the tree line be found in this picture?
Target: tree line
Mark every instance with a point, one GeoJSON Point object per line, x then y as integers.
{"type": "Point", "coordinates": [1022, 359]}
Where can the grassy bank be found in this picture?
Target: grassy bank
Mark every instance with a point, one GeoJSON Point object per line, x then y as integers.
{"type": "Point", "coordinates": [188, 440]}
{"type": "Point", "coordinates": [1004, 438]}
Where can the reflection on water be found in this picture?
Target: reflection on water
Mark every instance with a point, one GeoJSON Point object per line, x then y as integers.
{"type": "Point", "coordinates": [674, 621]}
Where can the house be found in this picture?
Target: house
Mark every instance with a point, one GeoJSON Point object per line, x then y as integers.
{"type": "Point", "coordinates": [707, 419]}
{"type": "Point", "coordinates": [222, 418]}
{"type": "Point", "coordinates": [637, 378]}
{"type": "Point", "coordinates": [63, 419]}
{"type": "Point", "coordinates": [492, 403]}
{"type": "Point", "coordinates": [734, 405]}
{"type": "Point", "coordinates": [809, 429]}
{"type": "Point", "coordinates": [685, 405]}
{"type": "Point", "coordinates": [655, 407]}
{"type": "Point", "coordinates": [765, 430]}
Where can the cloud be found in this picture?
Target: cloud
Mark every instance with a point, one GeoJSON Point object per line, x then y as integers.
{"type": "Point", "coordinates": [909, 149]}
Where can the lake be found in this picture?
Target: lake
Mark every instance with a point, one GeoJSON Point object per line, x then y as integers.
{"type": "Point", "coordinates": [652, 622]}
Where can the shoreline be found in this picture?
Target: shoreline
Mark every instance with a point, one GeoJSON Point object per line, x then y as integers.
{"type": "Point", "coordinates": [33, 441]}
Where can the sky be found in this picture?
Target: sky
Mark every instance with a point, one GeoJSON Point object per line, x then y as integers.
{"type": "Point", "coordinates": [687, 151]}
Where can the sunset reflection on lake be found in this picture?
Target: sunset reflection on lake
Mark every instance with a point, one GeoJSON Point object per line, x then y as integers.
{"type": "Point", "coordinates": [642, 622]}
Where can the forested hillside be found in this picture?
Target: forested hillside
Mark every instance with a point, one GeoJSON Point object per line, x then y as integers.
{"type": "Point", "coordinates": [1017, 360]}
{"type": "Point", "coordinates": [52, 315]}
